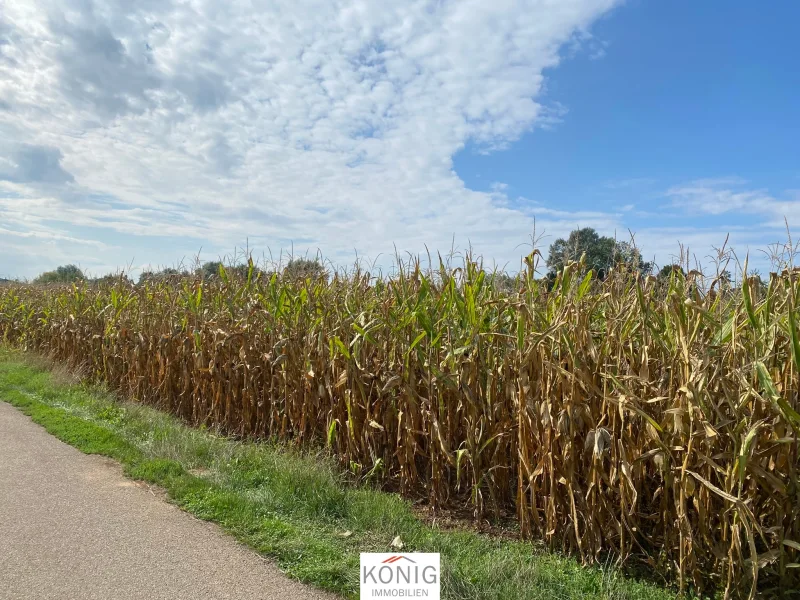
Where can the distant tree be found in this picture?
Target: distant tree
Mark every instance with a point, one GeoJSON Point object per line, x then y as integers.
{"type": "Point", "coordinates": [628, 255]}
{"type": "Point", "coordinates": [113, 278]}
{"type": "Point", "coordinates": [504, 282]}
{"type": "Point", "coordinates": [602, 253]}
{"type": "Point", "coordinates": [242, 269]}
{"type": "Point", "coordinates": [667, 270]}
{"type": "Point", "coordinates": [210, 270]}
{"type": "Point", "coordinates": [304, 268]}
{"type": "Point", "coordinates": [63, 274]}
{"type": "Point", "coordinates": [725, 281]}
{"type": "Point", "coordinates": [168, 273]}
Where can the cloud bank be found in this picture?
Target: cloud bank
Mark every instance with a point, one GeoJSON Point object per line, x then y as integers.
{"type": "Point", "coordinates": [146, 130]}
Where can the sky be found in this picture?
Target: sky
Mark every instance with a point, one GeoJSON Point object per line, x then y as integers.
{"type": "Point", "coordinates": [142, 134]}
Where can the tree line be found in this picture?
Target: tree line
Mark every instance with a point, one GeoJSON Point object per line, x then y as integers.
{"type": "Point", "coordinates": [296, 267]}
{"type": "Point", "coordinates": [600, 254]}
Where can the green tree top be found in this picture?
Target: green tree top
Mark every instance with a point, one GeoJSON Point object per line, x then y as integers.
{"type": "Point", "coordinates": [63, 274]}
{"type": "Point", "coordinates": [602, 253]}
{"type": "Point", "coordinates": [168, 273]}
{"type": "Point", "coordinates": [210, 270]}
{"type": "Point", "coordinates": [667, 270]}
{"type": "Point", "coordinates": [304, 268]}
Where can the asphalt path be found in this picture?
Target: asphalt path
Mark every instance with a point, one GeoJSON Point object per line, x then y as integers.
{"type": "Point", "coordinates": [73, 527]}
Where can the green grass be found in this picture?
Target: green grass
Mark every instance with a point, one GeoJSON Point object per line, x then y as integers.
{"type": "Point", "coordinates": [293, 506]}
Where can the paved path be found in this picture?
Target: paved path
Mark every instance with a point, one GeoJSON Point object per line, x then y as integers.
{"type": "Point", "coordinates": [72, 527]}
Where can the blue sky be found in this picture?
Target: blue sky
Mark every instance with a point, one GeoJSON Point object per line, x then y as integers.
{"type": "Point", "coordinates": [683, 90]}
{"type": "Point", "coordinates": [136, 134]}
{"type": "Point", "coordinates": [680, 92]}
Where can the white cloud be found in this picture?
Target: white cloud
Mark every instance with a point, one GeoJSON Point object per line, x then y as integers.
{"type": "Point", "coordinates": [732, 195]}
{"type": "Point", "coordinates": [143, 131]}
{"type": "Point", "coordinates": [35, 164]}
{"type": "Point", "coordinates": [328, 123]}
{"type": "Point", "coordinates": [709, 211]}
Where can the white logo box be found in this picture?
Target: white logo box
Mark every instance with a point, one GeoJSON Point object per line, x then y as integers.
{"type": "Point", "coordinates": [400, 575]}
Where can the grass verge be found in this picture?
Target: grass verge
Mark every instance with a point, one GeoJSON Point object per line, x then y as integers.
{"type": "Point", "coordinates": [290, 505]}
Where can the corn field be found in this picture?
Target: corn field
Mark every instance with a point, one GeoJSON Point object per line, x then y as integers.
{"type": "Point", "coordinates": [640, 418]}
